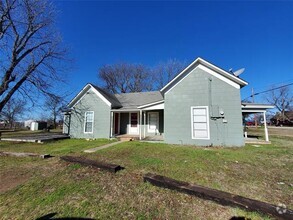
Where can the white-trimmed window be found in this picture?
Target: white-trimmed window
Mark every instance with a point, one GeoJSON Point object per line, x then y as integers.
{"type": "Point", "coordinates": [89, 122]}
{"type": "Point", "coordinates": [200, 122]}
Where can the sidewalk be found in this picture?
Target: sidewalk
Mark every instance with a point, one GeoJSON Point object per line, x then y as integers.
{"type": "Point", "coordinates": [92, 150]}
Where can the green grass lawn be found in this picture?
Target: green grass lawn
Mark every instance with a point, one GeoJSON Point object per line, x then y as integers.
{"type": "Point", "coordinates": [24, 132]}
{"type": "Point", "coordinates": [55, 148]}
{"type": "Point", "coordinates": [39, 187]}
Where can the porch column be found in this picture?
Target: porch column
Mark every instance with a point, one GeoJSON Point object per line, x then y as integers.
{"type": "Point", "coordinates": [140, 123]}
{"type": "Point", "coordinates": [144, 119]}
{"type": "Point", "coordinates": [111, 124]}
{"type": "Point", "coordinates": [266, 129]}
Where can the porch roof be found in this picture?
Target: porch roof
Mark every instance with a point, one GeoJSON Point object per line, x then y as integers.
{"type": "Point", "coordinates": [131, 101]}
{"type": "Point", "coordinates": [255, 107]}
{"type": "Point", "coordinates": [125, 110]}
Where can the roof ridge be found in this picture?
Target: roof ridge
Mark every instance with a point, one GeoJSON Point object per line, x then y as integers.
{"type": "Point", "coordinates": [136, 92]}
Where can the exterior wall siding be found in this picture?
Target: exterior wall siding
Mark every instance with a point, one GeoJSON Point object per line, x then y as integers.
{"type": "Point", "coordinates": [101, 126]}
{"type": "Point", "coordinates": [202, 89]}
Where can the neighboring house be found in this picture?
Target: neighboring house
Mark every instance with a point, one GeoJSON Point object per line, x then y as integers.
{"type": "Point", "coordinates": [200, 106]}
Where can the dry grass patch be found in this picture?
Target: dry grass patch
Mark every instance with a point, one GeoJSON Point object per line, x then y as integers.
{"type": "Point", "coordinates": [73, 190]}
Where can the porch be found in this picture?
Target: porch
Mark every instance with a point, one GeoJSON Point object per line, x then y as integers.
{"type": "Point", "coordinates": [253, 108]}
{"type": "Point", "coordinates": [144, 122]}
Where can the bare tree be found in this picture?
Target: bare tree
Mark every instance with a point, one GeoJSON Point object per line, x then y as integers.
{"type": "Point", "coordinates": [281, 98]}
{"type": "Point", "coordinates": [124, 77]}
{"type": "Point", "coordinates": [164, 72]}
{"type": "Point", "coordinates": [54, 105]}
{"type": "Point", "coordinates": [12, 111]}
{"type": "Point", "coordinates": [30, 48]}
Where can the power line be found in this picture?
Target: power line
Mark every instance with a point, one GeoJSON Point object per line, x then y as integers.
{"type": "Point", "coordinates": [268, 90]}
{"type": "Point", "coordinates": [274, 84]}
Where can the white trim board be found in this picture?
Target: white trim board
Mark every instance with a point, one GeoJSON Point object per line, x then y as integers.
{"type": "Point", "coordinates": [86, 89]}
{"type": "Point", "coordinates": [208, 122]}
{"type": "Point", "coordinates": [216, 70]}
{"type": "Point", "coordinates": [207, 70]}
{"type": "Point", "coordinates": [213, 73]}
{"type": "Point", "coordinates": [76, 97]}
{"type": "Point", "coordinates": [101, 96]}
{"type": "Point", "coordinates": [155, 107]}
{"type": "Point", "coordinates": [259, 106]}
{"type": "Point", "coordinates": [119, 119]}
{"type": "Point", "coordinates": [150, 104]}
{"type": "Point", "coordinates": [253, 111]}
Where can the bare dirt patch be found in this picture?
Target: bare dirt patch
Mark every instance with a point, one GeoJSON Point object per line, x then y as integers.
{"type": "Point", "coordinates": [10, 180]}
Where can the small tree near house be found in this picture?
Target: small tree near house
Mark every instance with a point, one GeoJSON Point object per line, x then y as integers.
{"type": "Point", "coordinates": [282, 99]}
{"type": "Point", "coordinates": [53, 105]}
{"type": "Point", "coordinates": [12, 111]}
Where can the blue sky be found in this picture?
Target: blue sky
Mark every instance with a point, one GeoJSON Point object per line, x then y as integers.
{"type": "Point", "coordinates": [257, 35]}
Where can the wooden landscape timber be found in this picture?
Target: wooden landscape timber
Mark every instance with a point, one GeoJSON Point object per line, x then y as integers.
{"type": "Point", "coordinates": [220, 197]}
{"type": "Point", "coordinates": [17, 154]}
{"type": "Point", "coordinates": [83, 161]}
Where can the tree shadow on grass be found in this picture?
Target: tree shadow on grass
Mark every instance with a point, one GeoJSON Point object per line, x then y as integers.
{"type": "Point", "coordinates": [51, 215]}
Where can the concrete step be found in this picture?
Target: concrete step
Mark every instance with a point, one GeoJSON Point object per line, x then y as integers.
{"type": "Point", "coordinates": [127, 138]}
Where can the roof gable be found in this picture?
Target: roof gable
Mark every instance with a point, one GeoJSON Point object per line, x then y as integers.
{"type": "Point", "coordinates": [108, 98]}
{"type": "Point", "coordinates": [208, 67]}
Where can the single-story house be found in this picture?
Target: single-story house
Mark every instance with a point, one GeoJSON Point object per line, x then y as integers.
{"type": "Point", "coordinates": [200, 106]}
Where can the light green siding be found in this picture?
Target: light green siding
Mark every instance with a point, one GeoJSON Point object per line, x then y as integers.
{"type": "Point", "coordinates": [200, 88]}
{"type": "Point", "coordinates": [101, 127]}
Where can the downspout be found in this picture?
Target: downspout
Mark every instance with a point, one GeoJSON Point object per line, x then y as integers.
{"type": "Point", "coordinates": [210, 96]}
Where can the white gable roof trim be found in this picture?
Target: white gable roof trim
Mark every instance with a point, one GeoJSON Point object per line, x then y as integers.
{"type": "Point", "coordinates": [256, 106]}
{"type": "Point", "coordinates": [211, 69]}
{"type": "Point", "coordinates": [151, 104]}
{"type": "Point", "coordinates": [83, 92]}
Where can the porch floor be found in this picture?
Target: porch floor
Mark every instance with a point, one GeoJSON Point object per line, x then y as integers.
{"type": "Point", "coordinates": [136, 137]}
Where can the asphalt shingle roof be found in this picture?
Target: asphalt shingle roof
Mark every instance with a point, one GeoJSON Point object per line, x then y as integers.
{"type": "Point", "coordinates": [110, 97]}
{"type": "Point", "coordinates": [133, 100]}
{"type": "Point", "coordinates": [130, 100]}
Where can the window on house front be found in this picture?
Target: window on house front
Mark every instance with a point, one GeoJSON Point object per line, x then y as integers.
{"type": "Point", "coordinates": [200, 122]}
{"type": "Point", "coordinates": [89, 122]}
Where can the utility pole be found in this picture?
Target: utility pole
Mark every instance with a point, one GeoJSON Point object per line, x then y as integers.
{"type": "Point", "coordinates": [252, 96]}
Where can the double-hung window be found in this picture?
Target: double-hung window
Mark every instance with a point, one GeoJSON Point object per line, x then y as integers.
{"type": "Point", "coordinates": [89, 122]}
{"type": "Point", "coordinates": [200, 122]}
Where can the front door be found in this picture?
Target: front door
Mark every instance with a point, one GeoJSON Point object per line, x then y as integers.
{"type": "Point", "coordinates": [133, 123]}
{"type": "Point", "coordinates": [153, 122]}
